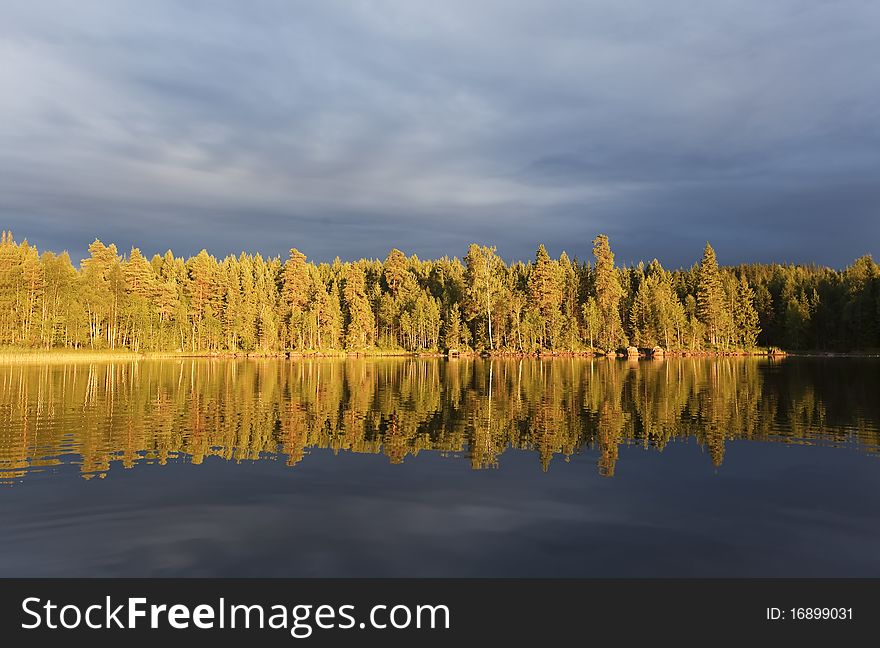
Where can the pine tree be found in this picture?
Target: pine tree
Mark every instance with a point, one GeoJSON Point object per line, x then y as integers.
{"type": "Point", "coordinates": [641, 318]}
{"type": "Point", "coordinates": [395, 271]}
{"type": "Point", "coordinates": [695, 328]}
{"type": "Point", "coordinates": [360, 322]}
{"type": "Point", "coordinates": [248, 303]}
{"type": "Point", "coordinates": [455, 333]}
{"type": "Point", "coordinates": [571, 310]}
{"type": "Point", "coordinates": [168, 296]}
{"type": "Point", "coordinates": [231, 286]}
{"type": "Point", "coordinates": [592, 319]}
{"type": "Point", "coordinates": [745, 318]}
{"type": "Point", "coordinates": [295, 295]}
{"type": "Point", "coordinates": [140, 283]}
{"type": "Point", "coordinates": [202, 288]}
{"type": "Point", "coordinates": [267, 276]}
{"type": "Point", "coordinates": [8, 271]}
{"type": "Point", "coordinates": [656, 314]}
{"type": "Point", "coordinates": [608, 293]}
{"type": "Point", "coordinates": [325, 317]}
{"type": "Point", "coordinates": [546, 285]}
{"type": "Point", "coordinates": [710, 296]}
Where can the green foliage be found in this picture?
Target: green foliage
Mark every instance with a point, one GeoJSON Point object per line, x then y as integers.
{"type": "Point", "coordinates": [745, 317]}
{"type": "Point", "coordinates": [608, 294]}
{"type": "Point", "coordinates": [657, 317]}
{"type": "Point", "coordinates": [360, 324]}
{"type": "Point", "coordinates": [255, 305]}
{"type": "Point", "coordinates": [484, 286]}
{"type": "Point", "coordinates": [455, 334]}
{"type": "Point", "coordinates": [711, 309]}
{"type": "Point", "coordinates": [546, 289]}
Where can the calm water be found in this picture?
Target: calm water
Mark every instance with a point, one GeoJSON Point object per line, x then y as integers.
{"type": "Point", "coordinates": [411, 467]}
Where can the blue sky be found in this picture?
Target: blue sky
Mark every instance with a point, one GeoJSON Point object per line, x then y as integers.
{"type": "Point", "coordinates": [346, 128]}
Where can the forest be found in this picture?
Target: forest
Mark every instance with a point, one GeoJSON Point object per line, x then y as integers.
{"type": "Point", "coordinates": [252, 304]}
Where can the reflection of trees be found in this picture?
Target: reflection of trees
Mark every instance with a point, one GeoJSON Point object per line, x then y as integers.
{"type": "Point", "coordinates": [159, 411]}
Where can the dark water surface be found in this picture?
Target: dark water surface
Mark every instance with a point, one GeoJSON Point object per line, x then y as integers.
{"type": "Point", "coordinates": [414, 467]}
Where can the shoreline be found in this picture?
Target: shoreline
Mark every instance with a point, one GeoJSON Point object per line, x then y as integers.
{"type": "Point", "coordinates": [9, 356]}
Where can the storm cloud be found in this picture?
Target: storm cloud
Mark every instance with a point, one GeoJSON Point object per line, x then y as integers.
{"type": "Point", "coordinates": [346, 128]}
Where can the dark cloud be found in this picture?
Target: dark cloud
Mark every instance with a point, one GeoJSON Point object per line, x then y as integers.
{"type": "Point", "coordinates": [348, 127]}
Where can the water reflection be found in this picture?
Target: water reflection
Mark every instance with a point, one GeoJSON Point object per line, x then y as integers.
{"type": "Point", "coordinates": [246, 410]}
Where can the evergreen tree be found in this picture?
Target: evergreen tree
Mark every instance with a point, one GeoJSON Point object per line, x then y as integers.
{"type": "Point", "coordinates": [745, 316]}
{"type": "Point", "coordinates": [608, 293]}
{"type": "Point", "coordinates": [455, 334]}
{"type": "Point", "coordinates": [203, 291]}
{"type": "Point", "coordinates": [592, 319]}
{"type": "Point", "coordinates": [395, 271]}
{"type": "Point", "coordinates": [546, 286]}
{"type": "Point", "coordinates": [255, 304]}
{"type": "Point", "coordinates": [570, 307]}
{"type": "Point", "coordinates": [295, 295]}
{"type": "Point", "coordinates": [710, 297]}
{"type": "Point", "coordinates": [360, 323]}
{"type": "Point", "coordinates": [140, 282]}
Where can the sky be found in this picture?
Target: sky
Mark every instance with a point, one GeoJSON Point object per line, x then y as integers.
{"type": "Point", "coordinates": [347, 128]}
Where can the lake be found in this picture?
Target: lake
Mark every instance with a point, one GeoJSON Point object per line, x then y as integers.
{"type": "Point", "coordinates": [435, 467]}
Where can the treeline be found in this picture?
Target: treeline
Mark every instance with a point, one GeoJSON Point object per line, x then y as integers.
{"type": "Point", "coordinates": [252, 304]}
